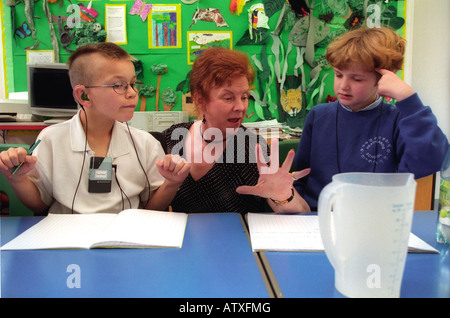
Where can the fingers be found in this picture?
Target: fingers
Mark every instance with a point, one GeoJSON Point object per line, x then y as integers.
{"type": "Point", "coordinates": [274, 152]}
{"type": "Point", "coordinates": [174, 164]}
{"type": "Point", "coordinates": [300, 174]}
{"type": "Point", "coordinates": [382, 71]}
{"type": "Point", "coordinates": [181, 166]}
{"type": "Point", "coordinates": [247, 190]}
{"type": "Point", "coordinates": [12, 158]}
{"type": "Point", "coordinates": [184, 169]}
{"type": "Point", "coordinates": [288, 161]}
{"type": "Point", "coordinates": [263, 167]}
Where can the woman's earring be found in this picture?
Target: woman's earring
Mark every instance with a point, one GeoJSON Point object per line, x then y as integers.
{"type": "Point", "coordinates": [204, 119]}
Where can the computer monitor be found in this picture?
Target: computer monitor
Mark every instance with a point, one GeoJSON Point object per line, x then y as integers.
{"type": "Point", "coordinates": [49, 90]}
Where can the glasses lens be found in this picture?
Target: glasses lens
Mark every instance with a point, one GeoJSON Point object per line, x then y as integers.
{"type": "Point", "coordinates": [120, 87]}
{"type": "Point", "coordinates": [136, 86]}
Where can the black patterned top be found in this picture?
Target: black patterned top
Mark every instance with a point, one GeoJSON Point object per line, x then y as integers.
{"type": "Point", "coordinates": [216, 190]}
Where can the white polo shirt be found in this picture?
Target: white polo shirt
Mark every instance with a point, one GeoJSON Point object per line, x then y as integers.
{"type": "Point", "coordinates": [60, 160]}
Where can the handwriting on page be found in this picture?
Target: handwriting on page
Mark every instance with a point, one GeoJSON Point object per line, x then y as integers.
{"type": "Point", "coordinates": [270, 232]}
{"type": "Point", "coordinates": [300, 233]}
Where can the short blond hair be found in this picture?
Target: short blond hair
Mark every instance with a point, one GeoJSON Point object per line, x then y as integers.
{"type": "Point", "coordinates": [80, 62]}
{"type": "Point", "coordinates": [376, 48]}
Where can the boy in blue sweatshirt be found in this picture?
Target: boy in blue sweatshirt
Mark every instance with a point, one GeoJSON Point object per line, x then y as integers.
{"type": "Point", "coordinates": [359, 132]}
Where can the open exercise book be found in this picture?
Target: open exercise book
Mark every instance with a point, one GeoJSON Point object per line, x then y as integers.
{"type": "Point", "coordinates": [133, 228]}
{"type": "Point", "coordinates": [300, 233]}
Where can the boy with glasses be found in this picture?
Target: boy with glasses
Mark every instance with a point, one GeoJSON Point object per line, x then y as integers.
{"type": "Point", "coordinates": [95, 162]}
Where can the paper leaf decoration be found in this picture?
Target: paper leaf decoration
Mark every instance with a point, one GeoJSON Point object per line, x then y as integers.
{"type": "Point", "coordinates": [273, 6]}
{"type": "Point", "coordinates": [257, 17]}
{"type": "Point", "coordinates": [299, 32]}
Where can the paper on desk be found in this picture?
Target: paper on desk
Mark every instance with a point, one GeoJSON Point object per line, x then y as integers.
{"type": "Point", "coordinates": [131, 228]}
{"type": "Point", "coordinates": [300, 233]}
{"type": "Point", "coordinates": [271, 232]}
{"type": "Point", "coordinates": [273, 123]}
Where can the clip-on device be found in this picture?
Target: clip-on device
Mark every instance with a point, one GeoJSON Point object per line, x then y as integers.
{"type": "Point", "coordinates": [100, 175]}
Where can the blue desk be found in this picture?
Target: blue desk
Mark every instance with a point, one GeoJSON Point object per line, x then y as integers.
{"type": "Point", "coordinates": [295, 274]}
{"type": "Point", "coordinates": [216, 260]}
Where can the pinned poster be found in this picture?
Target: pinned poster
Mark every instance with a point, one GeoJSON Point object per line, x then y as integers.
{"type": "Point", "coordinates": [164, 26]}
{"type": "Point", "coordinates": [197, 42]}
{"type": "Point", "coordinates": [115, 24]}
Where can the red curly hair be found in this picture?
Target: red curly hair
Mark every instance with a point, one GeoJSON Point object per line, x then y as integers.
{"type": "Point", "coordinates": [217, 67]}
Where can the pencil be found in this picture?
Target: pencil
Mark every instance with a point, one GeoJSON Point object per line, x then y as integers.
{"type": "Point", "coordinates": [30, 151]}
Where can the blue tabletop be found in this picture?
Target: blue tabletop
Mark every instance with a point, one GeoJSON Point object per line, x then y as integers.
{"type": "Point", "coordinates": [216, 260]}
{"type": "Point", "coordinates": [311, 274]}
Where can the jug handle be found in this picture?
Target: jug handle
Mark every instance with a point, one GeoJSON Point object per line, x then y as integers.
{"type": "Point", "coordinates": [327, 198]}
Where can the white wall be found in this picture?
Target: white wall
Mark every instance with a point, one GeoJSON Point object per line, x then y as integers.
{"type": "Point", "coordinates": [428, 53]}
{"type": "Point", "coordinates": [427, 60]}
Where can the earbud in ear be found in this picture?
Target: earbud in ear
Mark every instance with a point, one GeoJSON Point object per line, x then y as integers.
{"type": "Point", "coordinates": [84, 96]}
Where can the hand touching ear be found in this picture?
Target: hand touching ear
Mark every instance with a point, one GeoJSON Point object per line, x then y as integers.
{"type": "Point", "coordinates": [392, 86]}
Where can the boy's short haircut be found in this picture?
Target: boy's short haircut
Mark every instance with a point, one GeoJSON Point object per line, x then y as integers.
{"type": "Point", "coordinates": [376, 48]}
{"type": "Point", "coordinates": [80, 61]}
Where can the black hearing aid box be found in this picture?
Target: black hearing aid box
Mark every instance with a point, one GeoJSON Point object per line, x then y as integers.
{"type": "Point", "coordinates": [100, 171]}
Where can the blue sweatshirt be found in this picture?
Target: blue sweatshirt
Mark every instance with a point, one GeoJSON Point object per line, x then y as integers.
{"type": "Point", "coordinates": [387, 138]}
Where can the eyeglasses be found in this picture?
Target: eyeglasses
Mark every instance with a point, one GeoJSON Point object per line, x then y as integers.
{"type": "Point", "coordinates": [121, 87]}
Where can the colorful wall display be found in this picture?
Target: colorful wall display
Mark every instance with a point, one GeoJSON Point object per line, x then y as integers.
{"type": "Point", "coordinates": [165, 27]}
{"type": "Point", "coordinates": [286, 41]}
{"type": "Point", "coordinates": [197, 42]}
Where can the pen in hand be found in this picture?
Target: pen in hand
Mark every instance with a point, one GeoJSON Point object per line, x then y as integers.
{"type": "Point", "coordinates": [30, 151]}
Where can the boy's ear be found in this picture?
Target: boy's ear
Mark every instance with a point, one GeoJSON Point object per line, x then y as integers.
{"type": "Point", "coordinates": [80, 95]}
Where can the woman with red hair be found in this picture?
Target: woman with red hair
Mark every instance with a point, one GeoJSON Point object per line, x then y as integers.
{"type": "Point", "coordinates": [221, 151]}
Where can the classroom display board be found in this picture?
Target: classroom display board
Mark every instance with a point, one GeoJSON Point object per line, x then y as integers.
{"type": "Point", "coordinates": [286, 41]}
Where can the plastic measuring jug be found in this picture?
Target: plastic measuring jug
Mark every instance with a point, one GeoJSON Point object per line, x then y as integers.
{"type": "Point", "coordinates": [365, 221]}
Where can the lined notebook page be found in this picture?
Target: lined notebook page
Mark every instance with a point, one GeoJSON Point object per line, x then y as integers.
{"type": "Point", "coordinates": [62, 231]}
{"type": "Point", "coordinates": [130, 228]}
{"type": "Point", "coordinates": [300, 233]}
{"type": "Point", "coordinates": [272, 232]}
{"type": "Point", "coordinates": [139, 228]}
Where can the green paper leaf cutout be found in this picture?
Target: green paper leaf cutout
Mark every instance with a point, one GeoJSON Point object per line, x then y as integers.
{"type": "Point", "coordinates": [300, 31]}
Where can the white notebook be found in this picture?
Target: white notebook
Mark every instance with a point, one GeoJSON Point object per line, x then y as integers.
{"type": "Point", "coordinates": [300, 233]}
{"type": "Point", "coordinates": [133, 228]}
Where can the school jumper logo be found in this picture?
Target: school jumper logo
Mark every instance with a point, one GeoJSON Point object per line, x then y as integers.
{"type": "Point", "coordinates": [376, 150]}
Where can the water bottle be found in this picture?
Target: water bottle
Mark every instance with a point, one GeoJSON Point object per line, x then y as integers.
{"type": "Point", "coordinates": [443, 223]}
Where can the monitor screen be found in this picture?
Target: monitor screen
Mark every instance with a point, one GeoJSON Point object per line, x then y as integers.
{"type": "Point", "coordinates": [49, 90]}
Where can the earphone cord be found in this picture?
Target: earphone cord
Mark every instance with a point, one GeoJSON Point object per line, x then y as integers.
{"type": "Point", "coordinates": [84, 158]}
{"type": "Point", "coordinates": [122, 193]}
{"type": "Point", "coordinates": [140, 163]}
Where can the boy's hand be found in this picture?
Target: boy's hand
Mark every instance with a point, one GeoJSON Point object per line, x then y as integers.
{"type": "Point", "coordinates": [13, 157]}
{"type": "Point", "coordinates": [173, 168]}
{"type": "Point", "coordinates": [392, 86]}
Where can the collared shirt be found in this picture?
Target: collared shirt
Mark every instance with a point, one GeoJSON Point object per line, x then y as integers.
{"type": "Point", "coordinates": [62, 164]}
{"type": "Point", "coordinates": [375, 104]}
